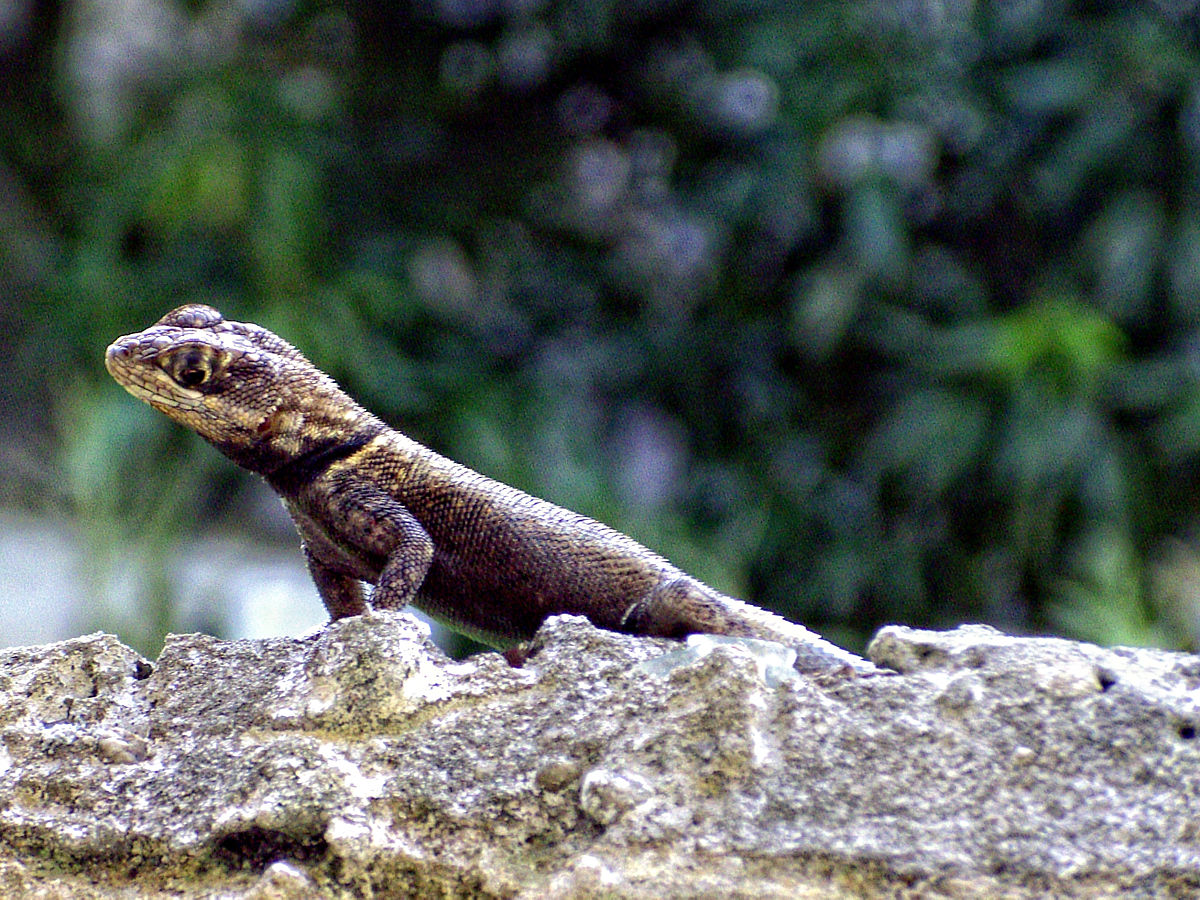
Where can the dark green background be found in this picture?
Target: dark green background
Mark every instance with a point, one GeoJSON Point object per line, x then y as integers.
{"type": "Point", "coordinates": [864, 311]}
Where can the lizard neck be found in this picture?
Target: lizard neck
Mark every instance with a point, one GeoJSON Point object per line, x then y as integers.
{"type": "Point", "coordinates": [300, 470]}
{"type": "Point", "coordinates": [306, 432]}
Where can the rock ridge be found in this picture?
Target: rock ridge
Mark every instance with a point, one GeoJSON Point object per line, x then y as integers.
{"type": "Point", "coordinates": [359, 761]}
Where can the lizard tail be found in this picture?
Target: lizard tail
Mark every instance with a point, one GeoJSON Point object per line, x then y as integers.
{"type": "Point", "coordinates": [684, 606]}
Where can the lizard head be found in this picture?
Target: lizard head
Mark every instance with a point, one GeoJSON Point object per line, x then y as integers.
{"type": "Point", "coordinates": [242, 388]}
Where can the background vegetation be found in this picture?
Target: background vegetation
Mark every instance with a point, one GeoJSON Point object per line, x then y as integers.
{"type": "Point", "coordinates": [862, 310]}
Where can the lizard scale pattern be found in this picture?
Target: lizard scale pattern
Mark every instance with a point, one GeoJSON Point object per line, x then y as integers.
{"type": "Point", "coordinates": [374, 506]}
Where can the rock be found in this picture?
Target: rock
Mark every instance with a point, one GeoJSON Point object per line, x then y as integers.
{"type": "Point", "coordinates": [360, 761]}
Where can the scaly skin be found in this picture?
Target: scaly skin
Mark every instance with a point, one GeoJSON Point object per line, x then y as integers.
{"type": "Point", "coordinates": [373, 506]}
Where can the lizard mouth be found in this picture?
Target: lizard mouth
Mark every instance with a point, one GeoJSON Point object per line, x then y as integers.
{"type": "Point", "coordinates": [127, 363]}
{"type": "Point", "coordinates": [114, 359]}
{"type": "Point", "coordinates": [125, 353]}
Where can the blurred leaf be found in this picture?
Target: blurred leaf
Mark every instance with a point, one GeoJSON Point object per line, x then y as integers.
{"type": "Point", "coordinates": [1056, 86]}
{"type": "Point", "coordinates": [875, 232]}
{"type": "Point", "coordinates": [1063, 341]}
{"type": "Point", "coordinates": [285, 228]}
{"type": "Point", "coordinates": [1043, 445]}
{"type": "Point", "coordinates": [205, 185]}
{"type": "Point", "coordinates": [931, 438]}
{"type": "Point", "coordinates": [823, 306]}
{"type": "Point", "coordinates": [1176, 435]}
{"type": "Point", "coordinates": [1124, 245]}
{"type": "Point", "coordinates": [1183, 270]}
{"type": "Point", "coordinates": [1102, 600]}
{"type": "Point", "coordinates": [1088, 147]}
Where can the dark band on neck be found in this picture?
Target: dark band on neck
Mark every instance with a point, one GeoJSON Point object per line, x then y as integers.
{"type": "Point", "coordinates": [307, 466]}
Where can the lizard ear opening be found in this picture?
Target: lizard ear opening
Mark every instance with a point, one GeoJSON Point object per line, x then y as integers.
{"type": "Point", "coordinates": [265, 426]}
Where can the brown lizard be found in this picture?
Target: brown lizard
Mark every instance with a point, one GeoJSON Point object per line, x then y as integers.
{"type": "Point", "coordinates": [372, 505]}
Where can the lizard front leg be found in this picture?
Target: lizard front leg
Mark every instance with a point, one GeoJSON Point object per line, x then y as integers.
{"type": "Point", "coordinates": [406, 566]}
{"type": "Point", "coordinates": [342, 594]}
{"type": "Point", "coordinates": [354, 530]}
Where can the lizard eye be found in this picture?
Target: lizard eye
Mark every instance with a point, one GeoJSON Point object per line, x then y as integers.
{"type": "Point", "coordinates": [191, 377]}
{"type": "Point", "coordinates": [190, 369]}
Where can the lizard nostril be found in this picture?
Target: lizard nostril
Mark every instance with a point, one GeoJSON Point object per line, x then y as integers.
{"type": "Point", "coordinates": [116, 355]}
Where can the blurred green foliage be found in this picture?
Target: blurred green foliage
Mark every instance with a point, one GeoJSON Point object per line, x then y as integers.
{"type": "Point", "coordinates": [863, 311]}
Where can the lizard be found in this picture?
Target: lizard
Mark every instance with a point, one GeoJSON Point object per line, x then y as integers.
{"type": "Point", "coordinates": [372, 505]}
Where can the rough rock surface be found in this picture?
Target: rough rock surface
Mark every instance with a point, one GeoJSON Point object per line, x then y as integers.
{"type": "Point", "coordinates": [360, 762]}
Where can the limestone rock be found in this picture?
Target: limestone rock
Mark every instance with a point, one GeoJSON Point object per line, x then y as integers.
{"type": "Point", "coordinates": [360, 761]}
